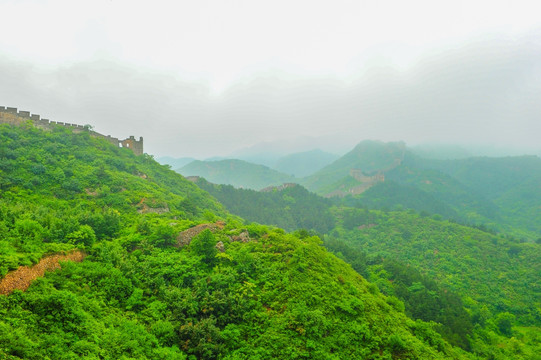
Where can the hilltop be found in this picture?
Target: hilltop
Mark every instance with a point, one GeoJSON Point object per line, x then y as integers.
{"type": "Point", "coordinates": [362, 165]}
{"type": "Point", "coordinates": [234, 172]}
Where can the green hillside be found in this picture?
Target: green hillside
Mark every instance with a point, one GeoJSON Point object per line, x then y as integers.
{"type": "Point", "coordinates": [289, 207]}
{"type": "Point", "coordinates": [390, 195]}
{"type": "Point", "coordinates": [469, 204]}
{"type": "Point", "coordinates": [497, 271]}
{"type": "Point", "coordinates": [368, 157]}
{"type": "Point", "coordinates": [482, 289]}
{"type": "Point", "coordinates": [511, 183]}
{"type": "Point", "coordinates": [496, 277]}
{"type": "Point", "coordinates": [496, 193]}
{"type": "Point", "coordinates": [241, 291]}
{"type": "Point", "coordinates": [238, 173]}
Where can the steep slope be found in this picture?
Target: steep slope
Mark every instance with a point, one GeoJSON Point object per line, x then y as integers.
{"type": "Point", "coordinates": [289, 207]}
{"type": "Point", "coordinates": [468, 204]}
{"type": "Point", "coordinates": [499, 193]}
{"type": "Point", "coordinates": [368, 158]}
{"type": "Point", "coordinates": [61, 189]}
{"type": "Point", "coordinates": [499, 272]}
{"type": "Point", "coordinates": [139, 295]}
{"type": "Point", "coordinates": [238, 173]}
{"type": "Point", "coordinates": [494, 278]}
{"type": "Point", "coordinates": [511, 183]}
{"type": "Point", "coordinates": [425, 262]}
{"type": "Point", "coordinates": [304, 163]}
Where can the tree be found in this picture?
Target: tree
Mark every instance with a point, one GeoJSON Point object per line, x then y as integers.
{"type": "Point", "coordinates": [84, 235]}
{"type": "Point", "coordinates": [504, 321]}
{"type": "Point", "coordinates": [204, 245]}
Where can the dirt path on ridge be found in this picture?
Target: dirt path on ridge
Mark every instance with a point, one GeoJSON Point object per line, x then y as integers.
{"type": "Point", "coordinates": [24, 275]}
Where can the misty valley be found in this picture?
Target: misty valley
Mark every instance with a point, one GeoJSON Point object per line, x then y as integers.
{"type": "Point", "coordinates": [384, 252]}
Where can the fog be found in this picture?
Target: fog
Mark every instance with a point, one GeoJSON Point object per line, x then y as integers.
{"type": "Point", "coordinates": [482, 88]}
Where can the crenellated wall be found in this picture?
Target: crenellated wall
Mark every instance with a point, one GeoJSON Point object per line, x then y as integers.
{"type": "Point", "coordinates": [10, 115]}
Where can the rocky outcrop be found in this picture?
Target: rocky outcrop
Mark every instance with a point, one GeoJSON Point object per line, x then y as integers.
{"type": "Point", "coordinates": [242, 237]}
{"type": "Point", "coordinates": [220, 246]}
{"type": "Point", "coordinates": [150, 206]}
{"type": "Point", "coordinates": [186, 236]}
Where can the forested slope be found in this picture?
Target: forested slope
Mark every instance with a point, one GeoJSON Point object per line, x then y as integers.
{"type": "Point", "coordinates": [242, 291]}
{"type": "Point", "coordinates": [290, 207]}
{"type": "Point", "coordinates": [512, 183]}
{"type": "Point", "coordinates": [497, 193]}
{"type": "Point", "coordinates": [482, 288]}
{"type": "Point", "coordinates": [367, 156]}
{"type": "Point", "coordinates": [421, 259]}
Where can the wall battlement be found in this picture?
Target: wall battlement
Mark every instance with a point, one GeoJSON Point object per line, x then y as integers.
{"type": "Point", "coordinates": [10, 115]}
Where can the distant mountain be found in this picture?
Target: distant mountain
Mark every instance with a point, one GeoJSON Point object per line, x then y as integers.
{"type": "Point", "coordinates": [356, 170]}
{"type": "Point", "coordinates": [469, 205]}
{"type": "Point", "coordinates": [511, 183]}
{"type": "Point", "coordinates": [269, 152]}
{"type": "Point", "coordinates": [500, 193]}
{"type": "Point", "coordinates": [175, 163]}
{"type": "Point", "coordinates": [238, 173]}
{"type": "Point", "coordinates": [489, 176]}
{"type": "Point", "coordinates": [411, 182]}
{"type": "Point", "coordinates": [304, 163]}
{"type": "Point", "coordinates": [289, 206]}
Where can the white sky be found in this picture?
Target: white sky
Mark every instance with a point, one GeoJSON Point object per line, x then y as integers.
{"type": "Point", "coordinates": [247, 68]}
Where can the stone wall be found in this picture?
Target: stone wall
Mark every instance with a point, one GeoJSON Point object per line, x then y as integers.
{"type": "Point", "coordinates": [360, 176]}
{"type": "Point", "coordinates": [10, 115]}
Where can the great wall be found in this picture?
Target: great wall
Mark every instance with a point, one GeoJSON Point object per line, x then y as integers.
{"type": "Point", "coordinates": [10, 115]}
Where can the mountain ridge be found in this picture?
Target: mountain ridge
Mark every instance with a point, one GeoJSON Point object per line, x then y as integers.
{"type": "Point", "coordinates": [235, 172]}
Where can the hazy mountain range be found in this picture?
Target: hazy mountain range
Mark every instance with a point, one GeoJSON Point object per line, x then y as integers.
{"type": "Point", "coordinates": [495, 192]}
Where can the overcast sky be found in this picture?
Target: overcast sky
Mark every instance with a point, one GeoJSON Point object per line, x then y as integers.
{"type": "Point", "coordinates": [203, 78]}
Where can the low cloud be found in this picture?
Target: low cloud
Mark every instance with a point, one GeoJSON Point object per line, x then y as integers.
{"type": "Point", "coordinates": [488, 91]}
